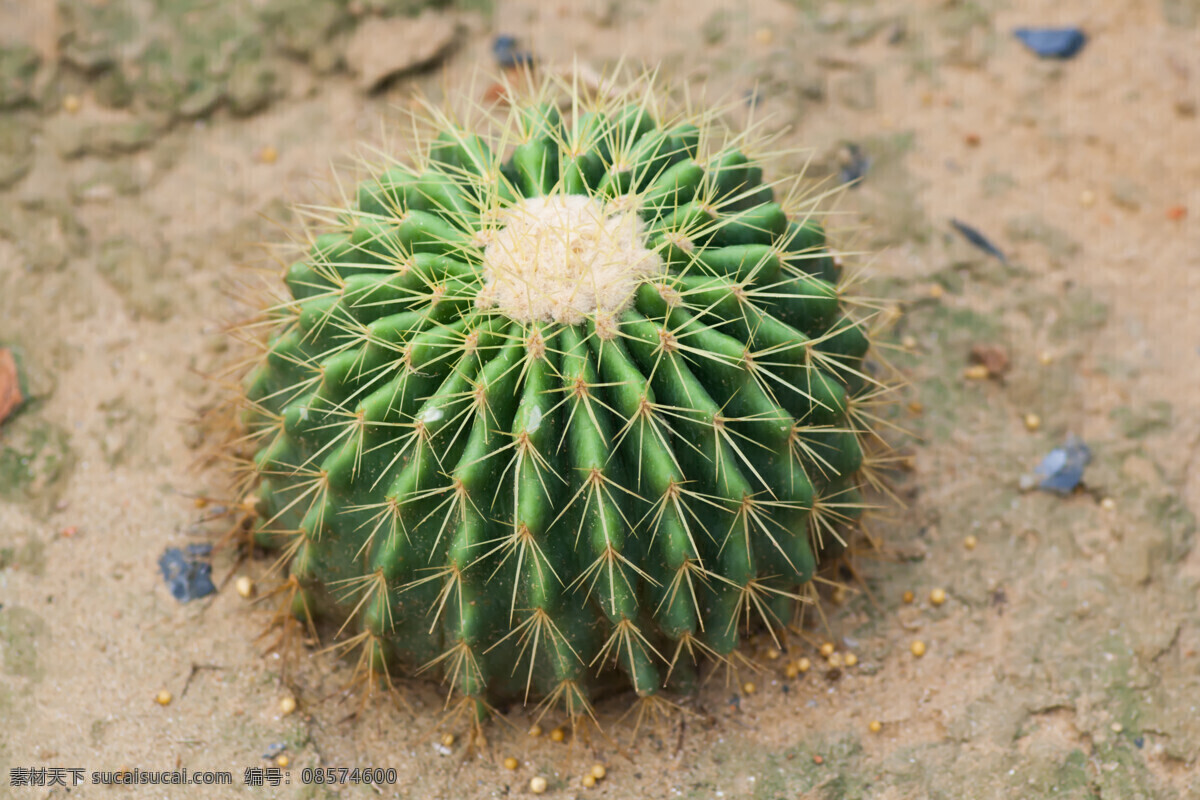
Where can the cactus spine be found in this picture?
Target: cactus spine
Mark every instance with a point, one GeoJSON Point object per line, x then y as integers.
{"type": "Point", "coordinates": [561, 406]}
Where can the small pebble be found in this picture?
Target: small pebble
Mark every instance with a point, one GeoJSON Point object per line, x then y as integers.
{"type": "Point", "coordinates": [827, 649]}
{"type": "Point", "coordinates": [71, 103]}
{"type": "Point", "coordinates": [937, 596]}
{"type": "Point", "coordinates": [537, 784]}
{"type": "Point", "coordinates": [511, 763]}
{"type": "Point", "coordinates": [558, 735]}
{"type": "Point", "coordinates": [970, 542]}
{"type": "Point", "coordinates": [908, 597]}
{"type": "Point", "coordinates": [917, 648]}
{"type": "Point", "coordinates": [447, 740]}
{"type": "Point", "coordinates": [972, 139]}
{"type": "Point", "coordinates": [163, 698]}
{"type": "Point", "coordinates": [875, 726]}
{"type": "Point", "coordinates": [599, 771]}
{"type": "Point", "coordinates": [1032, 422]}
{"type": "Point", "coordinates": [244, 586]}
{"type": "Point", "coordinates": [976, 372]}
{"type": "Point", "coordinates": [287, 705]}
{"type": "Point", "coordinates": [850, 659]}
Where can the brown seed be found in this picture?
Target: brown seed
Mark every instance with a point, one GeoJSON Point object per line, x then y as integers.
{"type": "Point", "coordinates": [1032, 422]}
{"type": "Point", "coordinates": [1108, 504]}
{"type": "Point", "coordinates": [599, 771]}
{"type": "Point", "coordinates": [875, 726]}
{"type": "Point", "coordinates": [535, 730]}
{"type": "Point", "coordinates": [558, 735]}
{"type": "Point", "coordinates": [537, 784]}
{"type": "Point", "coordinates": [818, 760]}
{"type": "Point", "coordinates": [447, 740]}
{"type": "Point", "coordinates": [748, 687]}
{"type": "Point", "coordinates": [834, 660]}
{"type": "Point", "coordinates": [827, 649]}
{"type": "Point", "coordinates": [936, 291]}
{"type": "Point", "coordinates": [917, 648]}
{"type": "Point", "coordinates": [850, 659]}
{"type": "Point", "coordinates": [71, 103]}
{"type": "Point", "coordinates": [908, 597]}
{"type": "Point", "coordinates": [1176, 213]}
{"type": "Point", "coordinates": [282, 760]}
{"type": "Point", "coordinates": [792, 670]}
{"type": "Point", "coordinates": [803, 665]}
{"type": "Point", "coordinates": [772, 653]}
{"type": "Point", "coordinates": [970, 542]}
{"type": "Point", "coordinates": [268, 155]}
{"type": "Point", "coordinates": [287, 705]}
{"type": "Point", "coordinates": [163, 698]}
{"type": "Point", "coordinates": [588, 781]}
{"type": "Point", "coordinates": [937, 596]}
{"type": "Point", "coordinates": [244, 586]}
{"type": "Point", "coordinates": [511, 763]}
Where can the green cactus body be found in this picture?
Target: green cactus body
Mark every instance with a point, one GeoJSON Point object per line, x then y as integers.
{"type": "Point", "coordinates": [549, 420]}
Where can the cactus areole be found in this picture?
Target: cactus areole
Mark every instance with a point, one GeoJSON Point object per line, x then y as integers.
{"type": "Point", "coordinates": [561, 405]}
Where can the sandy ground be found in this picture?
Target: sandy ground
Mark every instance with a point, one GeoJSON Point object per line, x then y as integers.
{"type": "Point", "coordinates": [1065, 661]}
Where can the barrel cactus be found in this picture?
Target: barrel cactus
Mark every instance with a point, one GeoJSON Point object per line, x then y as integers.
{"type": "Point", "coordinates": [561, 404]}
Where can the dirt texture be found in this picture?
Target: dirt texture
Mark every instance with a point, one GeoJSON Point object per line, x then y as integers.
{"type": "Point", "coordinates": [148, 146]}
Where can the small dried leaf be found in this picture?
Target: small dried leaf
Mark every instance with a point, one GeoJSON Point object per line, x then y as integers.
{"type": "Point", "coordinates": [10, 387]}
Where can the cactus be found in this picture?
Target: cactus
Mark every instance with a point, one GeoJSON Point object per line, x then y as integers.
{"type": "Point", "coordinates": [562, 406]}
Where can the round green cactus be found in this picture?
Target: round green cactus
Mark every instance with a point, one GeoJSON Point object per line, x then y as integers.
{"type": "Point", "coordinates": [562, 405]}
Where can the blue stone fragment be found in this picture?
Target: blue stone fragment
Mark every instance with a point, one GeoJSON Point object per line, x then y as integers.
{"type": "Point", "coordinates": [187, 573]}
{"type": "Point", "coordinates": [854, 167]}
{"type": "Point", "coordinates": [504, 48]}
{"type": "Point", "coordinates": [1052, 42]}
{"type": "Point", "coordinates": [1062, 468]}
